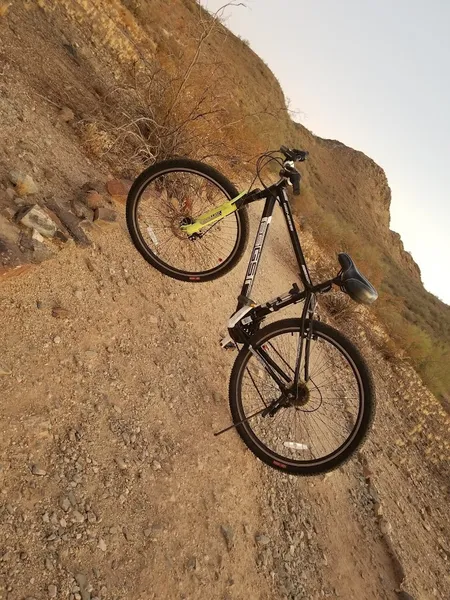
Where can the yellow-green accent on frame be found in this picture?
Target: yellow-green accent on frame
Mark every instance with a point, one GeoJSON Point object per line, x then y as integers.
{"type": "Point", "coordinates": [212, 216]}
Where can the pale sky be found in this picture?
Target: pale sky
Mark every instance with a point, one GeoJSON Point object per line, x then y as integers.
{"type": "Point", "coordinates": [375, 75]}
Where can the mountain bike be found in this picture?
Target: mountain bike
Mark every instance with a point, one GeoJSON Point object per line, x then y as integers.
{"type": "Point", "coordinates": [301, 395]}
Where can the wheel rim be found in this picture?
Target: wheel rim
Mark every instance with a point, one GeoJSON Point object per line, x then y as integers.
{"type": "Point", "coordinates": [178, 196]}
{"type": "Point", "coordinates": [322, 423]}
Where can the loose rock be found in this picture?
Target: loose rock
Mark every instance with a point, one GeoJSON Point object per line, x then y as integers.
{"type": "Point", "coordinates": [121, 464]}
{"type": "Point", "coordinates": [4, 371]}
{"type": "Point", "coordinates": [66, 114]}
{"type": "Point", "coordinates": [37, 219]}
{"type": "Point", "coordinates": [52, 591]}
{"type": "Point", "coordinates": [94, 200]}
{"type": "Point", "coordinates": [262, 539]}
{"type": "Point", "coordinates": [36, 469]}
{"type": "Point", "coordinates": [228, 535]}
{"type": "Point", "coordinates": [105, 214]}
{"type": "Point", "coordinates": [102, 544]}
{"type": "Point", "coordinates": [37, 237]}
{"type": "Point", "coordinates": [116, 188]}
{"type": "Point", "coordinates": [78, 517]}
{"type": "Point", "coordinates": [59, 312]}
{"type": "Point", "coordinates": [23, 182]}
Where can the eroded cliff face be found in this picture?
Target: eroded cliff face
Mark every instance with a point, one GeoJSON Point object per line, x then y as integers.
{"type": "Point", "coordinates": [352, 187]}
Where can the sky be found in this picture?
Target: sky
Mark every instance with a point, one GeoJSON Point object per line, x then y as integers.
{"type": "Point", "coordinates": [375, 75]}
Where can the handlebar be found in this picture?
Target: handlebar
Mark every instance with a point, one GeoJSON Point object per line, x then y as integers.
{"type": "Point", "coordinates": [294, 154]}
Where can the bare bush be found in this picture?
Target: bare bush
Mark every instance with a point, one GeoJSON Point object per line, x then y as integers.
{"type": "Point", "coordinates": [338, 305]}
{"type": "Point", "coordinates": [184, 108]}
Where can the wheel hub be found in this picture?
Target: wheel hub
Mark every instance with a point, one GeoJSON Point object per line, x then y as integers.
{"type": "Point", "coordinates": [177, 222]}
{"type": "Point", "coordinates": [298, 396]}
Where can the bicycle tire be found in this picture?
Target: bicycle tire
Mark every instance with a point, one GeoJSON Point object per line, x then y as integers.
{"type": "Point", "coordinates": [211, 174]}
{"type": "Point", "coordinates": [259, 449]}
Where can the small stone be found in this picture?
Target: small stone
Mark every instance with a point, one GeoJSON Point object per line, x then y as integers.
{"type": "Point", "coordinates": [228, 535]}
{"type": "Point", "coordinates": [65, 504]}
{"type": "Point", "coordinates": [59, 312]}
{"type": "Point", "coordinates": [105, 214]}
{"type": "Point", "coordinates": [83, 586]}
{"type": "Point", "coordinates": [373, 493]}
{"type": "Point", "coordinates": [367, 473]}
{"type": "Point", "coordinates": [94, 200]}
{"type": "Point", "coordinates": [37, 219]}
{"type": "Point", "coordinates": [82, 211]}
{"type": "Point", "coordinates": [91, 517]}
{"type": "Point", "coordinates": [4, 371]}
{"type": "Point", "coordinates": [52, 591]}
{"type": "Point", "coordinates": [153, 320]}
{"type": "Point", "coordinates": [48, 564]}
{"type": "Point", "coordinates": [386, 527]}
{"type": "Point", "coordinates": [63, 522]}
{"type": "Point", "coordinates": [116, 188]}
{"type": "Point", "coordinates": [156, 465]}
{"type": "Point", "coordinates": [10, 192]}
{"type": "Point", "coordinates": [72, 499]}
{"type": "Point", "coordinates": [378, 509]}
{"type": "Point", "coordinates": [262, 539]}
{"type": "Point", "coordinates": [24, 183]}
{"type": "Point", "coordinates": [37, 237]}
{"type": "Point", "coordinates": [192, 564]}
{"type": "Point", "coordinates": [56, 339]}
{"type": "Point", "coordinates": [78, 517]}
{"type": "Point", "coordinates": [121, 464]}
{"type": "Point", "coordinates": [66, 114]}
{"type": "Point", "coordinates": [102, 544]}
{"type": "Point", "coordinates": [36, 469]}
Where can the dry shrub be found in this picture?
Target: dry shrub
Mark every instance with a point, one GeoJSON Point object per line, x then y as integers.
{"type": "Point", "coordinates": [338, 305]}
{"type": "Point", "coordinates": [183, 106]}
{"type": "Point", "coordinates": [95, 138]}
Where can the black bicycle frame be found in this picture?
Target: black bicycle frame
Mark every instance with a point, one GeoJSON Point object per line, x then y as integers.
{"type": "Point", "coordinates": [273, 194]}
{"type": "Point", "coordinates": [276, 193]}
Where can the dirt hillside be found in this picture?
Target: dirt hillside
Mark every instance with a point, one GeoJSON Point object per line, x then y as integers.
{"type": "Point", "coordinates": [111, 377]}
{"type": "Point", "coordinates": [111, 475]}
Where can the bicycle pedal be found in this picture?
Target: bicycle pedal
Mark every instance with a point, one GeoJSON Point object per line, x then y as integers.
{"type": "Point", "coordinates": [227, 343]}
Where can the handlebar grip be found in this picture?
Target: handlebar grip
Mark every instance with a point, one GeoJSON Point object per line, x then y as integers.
{"type": "Point", "coordinates": [295, 180]}
{"type": "Point", "coordinates": [301, 155]}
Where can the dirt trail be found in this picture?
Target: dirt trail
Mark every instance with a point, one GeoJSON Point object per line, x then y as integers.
{"type": "Point", "coordinates": [116, 404]}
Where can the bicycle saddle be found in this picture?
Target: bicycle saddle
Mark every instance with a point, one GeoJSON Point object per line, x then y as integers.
{"type": "Point", "coordinates": [353, 283]}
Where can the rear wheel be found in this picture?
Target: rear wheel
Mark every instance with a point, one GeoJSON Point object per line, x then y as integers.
{"type": "Point", "coordinates": [316, 427]}
{"type": "Point", "coordinates": [174, 193]}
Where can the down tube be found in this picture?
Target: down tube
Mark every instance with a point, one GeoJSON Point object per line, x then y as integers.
{"type": "Point", "coordinates": [304, 273]}
{"type": "Point", "coordinates": [257, 248]}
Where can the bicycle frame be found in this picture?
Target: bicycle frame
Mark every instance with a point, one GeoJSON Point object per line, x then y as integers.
{"type": "Point", "coordinates": [248, 313]}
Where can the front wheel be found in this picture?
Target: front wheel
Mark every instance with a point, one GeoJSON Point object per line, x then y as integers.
{"type": "Point", "coordinates": [320, 424]}
{"type": "Point", "coordinates": [174, 193]}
